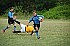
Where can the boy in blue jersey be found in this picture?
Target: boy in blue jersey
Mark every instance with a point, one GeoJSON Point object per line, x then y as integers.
{"type": "Point", "coordinates": [36, 21]}
{"type": "Point", "coordinates": [11, 20]}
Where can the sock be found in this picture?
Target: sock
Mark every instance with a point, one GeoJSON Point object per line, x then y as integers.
{"type": "Point", "coordinates": [37, 34]}
{"type": "Point", "coordinates": [6, 28]}
{"type": "Point", "coordinates": [17, 32]}
{"type": "Point", "coordinates": [14, 28]}
{"type": "Point", "coordinates": [31, 33]}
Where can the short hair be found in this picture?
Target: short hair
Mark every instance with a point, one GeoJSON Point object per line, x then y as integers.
{"type": "Point", "coordinates": [34, 11]}
{"type": "Point", "coordinates": [11, 8]}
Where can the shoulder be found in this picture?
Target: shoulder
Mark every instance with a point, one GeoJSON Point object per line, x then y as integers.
{"type": "Point", "coordinates": [39, 15]}
{"type": "Point", "coordinates": [32, 17]}
{"type": "Point", "coordinates": [9, 12]}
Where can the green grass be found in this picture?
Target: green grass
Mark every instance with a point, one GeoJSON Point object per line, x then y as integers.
{"type": "Point", "coordinates": [52, 32]}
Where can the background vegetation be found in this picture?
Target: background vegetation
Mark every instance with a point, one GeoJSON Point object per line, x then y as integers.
{"type": "Point", "coordinates": [52, 32]}
{"type": "Point", "coordinates": [51, 9]}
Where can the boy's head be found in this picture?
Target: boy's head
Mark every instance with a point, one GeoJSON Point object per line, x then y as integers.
{"type": "Point", "coordinates": [34, 13]}
{"type": "Point", "coordinates": [12, 9]}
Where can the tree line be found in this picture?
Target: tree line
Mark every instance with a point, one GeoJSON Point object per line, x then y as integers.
{"type": "Point", "coordinates": [29, 5]}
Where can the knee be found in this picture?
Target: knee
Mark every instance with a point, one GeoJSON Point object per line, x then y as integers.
{"type": "Point", "coordinates": [14, 24]}
{"type": "Point", "coordinates": [8, 26]}
{"type": "Point", "coordinates": [36, 28]}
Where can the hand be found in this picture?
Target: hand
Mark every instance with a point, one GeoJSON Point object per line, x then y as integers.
{"type": "Point", "coordinates": [41, 20]}
{"type": "Point", "coordinates": [27, 25]}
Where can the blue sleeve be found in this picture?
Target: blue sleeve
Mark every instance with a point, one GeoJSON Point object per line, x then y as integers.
{"type": "Point", "coordinates": [10, 14]}
{"type": "Point", "coordinates": [40, 16]}
{"type": "Point", "coordinates": [31, 19]}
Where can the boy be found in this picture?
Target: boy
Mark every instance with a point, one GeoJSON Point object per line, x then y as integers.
{"type": "Point", "coordinates": [25, 28]}
{"type": "Point", "coordinates": [36, 19]}
{"type": "Point", "coordinates": [10, 19]}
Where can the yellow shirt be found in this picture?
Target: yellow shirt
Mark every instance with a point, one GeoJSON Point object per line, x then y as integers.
{"type": "Point", "coordinates": [29, 28]}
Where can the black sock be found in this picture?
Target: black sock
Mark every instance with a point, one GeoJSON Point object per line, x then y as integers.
{"type": "Point", "coordinates": [6, 28]}
{"type": "Point", "coordinates": [31, 33]}
{"type": "Point", "coordinates": [16, 31]}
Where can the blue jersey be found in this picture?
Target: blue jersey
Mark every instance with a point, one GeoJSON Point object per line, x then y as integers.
{"type": "Point", "coordinates": [35, 19]}
{"type": "Point", "coordinates": [10, 14]}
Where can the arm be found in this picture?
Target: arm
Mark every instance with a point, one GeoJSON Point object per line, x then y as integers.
{"type": "Point", "coordinates": [42, 17]}
{"type": "Point", "coordinates": [31, 19]}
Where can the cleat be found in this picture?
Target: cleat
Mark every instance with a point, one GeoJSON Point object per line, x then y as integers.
{"type": "Point", "coordinates": [38, 37]}
{"type": "Point", "coordinates": [31, 33]}
{"type": "Point", "coordinates": [3, 30]}
{"type": "Point", "coordinates": [13, 31]}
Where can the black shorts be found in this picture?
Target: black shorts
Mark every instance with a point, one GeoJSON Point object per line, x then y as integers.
{"type": "Point", "coordinates": [36, 25]}
{"type": "Point", "coordinates": [10, 21]}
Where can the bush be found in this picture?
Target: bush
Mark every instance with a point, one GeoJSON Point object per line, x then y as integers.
{"type": "Point", "coordinates": [59, 12]}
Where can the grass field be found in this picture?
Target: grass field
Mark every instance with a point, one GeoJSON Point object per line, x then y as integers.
{"type": "Point", "coordinates": [52, 33]}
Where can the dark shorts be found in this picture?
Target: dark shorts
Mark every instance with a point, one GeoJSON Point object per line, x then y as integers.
{"type": "Point", "coordinates": [36, 25]}
{"type": "Point", "coordinates": [10, 21]}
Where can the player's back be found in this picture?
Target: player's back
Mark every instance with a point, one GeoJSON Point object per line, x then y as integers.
{"type": "Point", "coordinates": [29, 28]}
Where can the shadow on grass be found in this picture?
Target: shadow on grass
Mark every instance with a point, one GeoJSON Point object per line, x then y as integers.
{"type": "Point", "coordinates": [22, 34]}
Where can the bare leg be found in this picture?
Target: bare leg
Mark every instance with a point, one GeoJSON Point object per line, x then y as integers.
{"type": "Point", "coordinates": [35, 31]}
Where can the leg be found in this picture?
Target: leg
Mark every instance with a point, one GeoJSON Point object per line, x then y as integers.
{"type": "Point", "coordinates": [37, 34]}
{"type": "Point", "coordinates": [14, 27]}
{"type": "Point", "coordinates": [17, 22]}
{"type": "Point", "coordinates": [36, 27]}
{"type": "Point", "coordinates": [6, 28]}
{"type": "Point", "coordinates": [9, 22]}
{"type": "Point", "coordinates": [16, 31]}
{"type": "Point", "coordinates": [35, 31]}
{"type": "Point", "coordinates": [32, 32]}
{"type": "Point", "coordinates": [13, 22]}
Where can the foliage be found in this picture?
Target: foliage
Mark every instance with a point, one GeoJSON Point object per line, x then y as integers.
{"type": "Point", "coordinates": [59, 12]}
{"type": "Point", "coordinates": [25, 5]}
{"type": "Point", "coordinates": [51, 9]}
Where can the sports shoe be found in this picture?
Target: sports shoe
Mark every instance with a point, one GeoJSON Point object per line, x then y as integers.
{"type": "Point", "coordinates": [38, 37]}
{"type": "Point", "coordinates": [3, 30]}
{"type": "Point", "coordinates": [31, 33]}
{"type": "Point", "coordinates": [13, 31]}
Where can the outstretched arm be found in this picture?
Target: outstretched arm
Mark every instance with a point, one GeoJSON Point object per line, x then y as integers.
{"type": "Point", "coordinates": [31, 19]}
{"type": "Point", "coordinates": [41, 18]}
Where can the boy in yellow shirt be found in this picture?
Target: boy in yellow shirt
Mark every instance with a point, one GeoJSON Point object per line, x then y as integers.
{"type": "Point", "coordinates": [25, 28]}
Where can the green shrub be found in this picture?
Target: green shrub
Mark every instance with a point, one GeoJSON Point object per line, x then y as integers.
{"type": "Point", "coordinates": [59, 12]}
